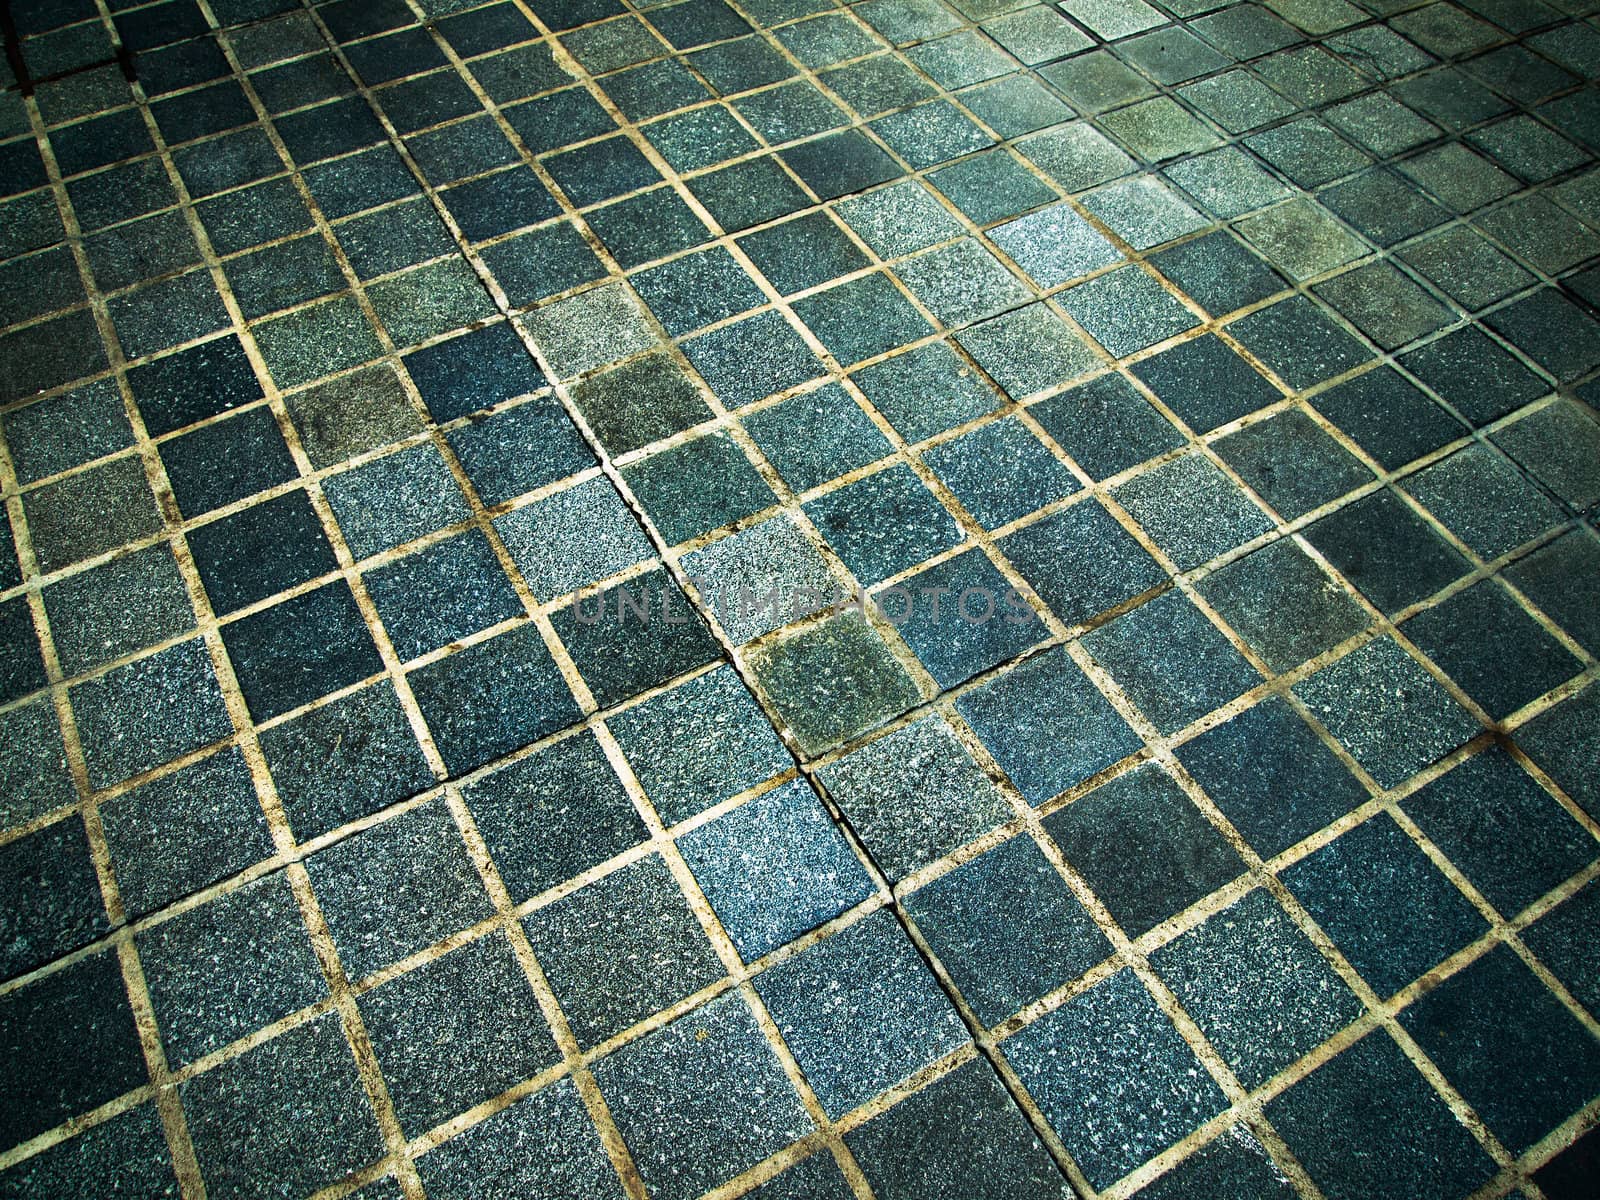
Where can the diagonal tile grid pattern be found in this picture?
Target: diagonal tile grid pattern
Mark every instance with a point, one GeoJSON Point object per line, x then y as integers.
{"type": "Point", "coordinates": [1244, 352]}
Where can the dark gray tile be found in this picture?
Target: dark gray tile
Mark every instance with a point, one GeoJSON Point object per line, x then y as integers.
{"type": "Point", "coordinates": [701, 1100]}
{"type": "Point", "coordinates": [396, 888]}
{"type": "Point", "coordinates": [291, 1110]}
{"type": "Point", "coordinates": [914, 796]}
{"type": "Point", "coordinates": [860, 1012]}
{"type": "Point", "coordinates": [620, 949]}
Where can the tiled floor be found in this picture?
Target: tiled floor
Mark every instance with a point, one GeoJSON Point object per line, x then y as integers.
{"type": "Point", "coordinates": [1202, 801]}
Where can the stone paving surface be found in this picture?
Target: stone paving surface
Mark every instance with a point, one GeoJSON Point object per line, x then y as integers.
{"type": "Point", "coordinates": [773, 598]}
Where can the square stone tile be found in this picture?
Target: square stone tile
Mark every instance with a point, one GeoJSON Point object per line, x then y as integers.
{"type": "Point", "coordinates": [927, 391]}
{"type": "Point", "coordinates": [961, 617]}
{"type": "Point", "coordinates": [1143, 847]}
{"type": "Point", "coordinates": [1028, 350]}
{"type": "Point", "coordinates": [52, 896]}
{"type": "Point", "coordinates": [931, 133]}
{"type": "Point", "coordinates": [1227, 182]}
{"type": "Point", "coordinates": [449, 591]}
{"type": "Point", "coordinates": [774, 868]}
{"type": "Point", "coordinates": [1159, 129]}
{"type": "Point", "coordinates": [914, 795]}
{"type": "Point", "coordinates": [1292, 462]}
{"type": "Point", "coordinates": [1368, 1095]}
{"type": "Point", "coordinates": [1241, 972]}
{"type": "Point", "coordinates": [1397, 721]}
{"type": "Point", "coordinates": [1097, 81]}
{"type": "Point", "coordinates": [234, 965]}
{"type": "Point", "coordinates": [1553, 331]}
{"type": "Point", "coordinates": [833, 681]}
{"type": "Point", "coordinates": [761, 578]}
{"type": "Point", "coordinates": [1382, 207]}
{"type": "Point", "coordinates": [840, 164]}
{"type": "Point", "coordinates": [620, 653]}
{"type": "Point", "coordinates": [543, 1142]}
{"type": "Point", "coordinates": [643, 401]}
{"type": "Point", "coordinates": [344, 760]}
{"type": "Point", "coordinates": [1076, 156]}
{"type": "Point", "coordinates": [1007, 928]}
{"type": "Point", "coordinates": [1191, 510]}
{"type": "Point", "coordinates": [620, 949]}
{"type": "Point", "coordinates": [860, 1012]}
{"type": "Point", "coordinates": [33, 763]}
{"type": "Point", "coordinates": [1299, 342]}
{"type": "Point", "coordinates": [291, 1109]}
{"type": "Point", "coordinates": [737, 1109]}
{"type": "Point", "coordinates": [996, 1154]}
{"type": "Point", "coordinates": [1482, 499]}
{"type": "Point", "coordinates": [1389, 307]}
{"type": "Point", "coordinates": [1301, 239]}
{"type": "Point", "coordinates": [71, 1041]}
{"type": "Point", "coordinates": [1099, 1100]}
{"type": "Point", "coordinates": [1126, 311]}
{"type": "Point", "coordinates": [473, 372]}
{"type": "Point", "coordinates": [536, 835]}
{"type": "Point", "coordinates": [91, 621]}
{"type": "Point", "coordinates": [492, 697]}
{"type": "Point", "coordinates": [1489, 645]}
{"type": "Point", "coordinates": [1054, 245]}
{"type": "Point", "coordinates": [699, 744]}
{"type": "Point", "coordinates": [1542, 1063]}
{"type": "Point", "coordinates": [396, 888]}
{"type": "Point", "coordinates": [1237, 101]}
{"type": "Point", "coordinates": [862, 318]}
{"type": "Point", "coordinates": [85, 515]}
{"type": "Point", "coordinates": [961, 282]}
{"type": "Point", "coordinates": [646, 226]}
{"type": "Point", "coordinates": [883, 524]}
{"type": "Point", "coordinates": [992, 186]}
{"type": "Point", "coordinates": [67, 430]}
{"type": "Point", "coordinates": [1283, 605]}
{"type": "Point", "coordinates": [1363, 889]}
{"type": "Point", "coordinates": [175, 835]}
{"type": "Point", "coordinates": [697, 290]}
{"type": "Point", "coordinates": [1081, 562]}
{"type": "Point", "coordinates": [589, 330]}
{"type": "Point", "coordinates": [573, 538]}
{"type": "Point", "coordinates": [1308, 151]}
{"type": "Point", "coordinates": [1047, 726]}
{"type": "Point", "coordinates": [300, 649]}
{"type": "Point", "coordinates": [816, 436]}
{"type": "Point", "coordinates": [1106, 426]}
{"type": "Point", "coordinates": [698, 486]}
{"type": "Point", "coordinates": [898, 219]}
{"type": "Point", "coordinates": [1388, 416]}
{"type": "Point", "coordinates": [132, 1144]}
{"type": "Point", "coordinates": [456, 1031]}
{"type": "Point", "coordinates": [149, 711]}
{"type": "Point", "coordinates": [1559, 577]}
{"type": "Point", "coordinates": [1205, 383]}
{"type": "Point", "coordinates": [516, 450]}
{"type": "Point", "coordinates": [1000, 472]}
{"type": "Point", "coordinates": [751, 359]}
{"type": "Point", "coordinates": [1270, 775]}
{"type": "Point", "coordinates": [1557, 444]}
{"type": "Point", "coordinates": [1505, 833]}
{"type": "Point", "coordinates": [803, 253]}
{"type": "Point", "coordinates": [1475, 375]}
